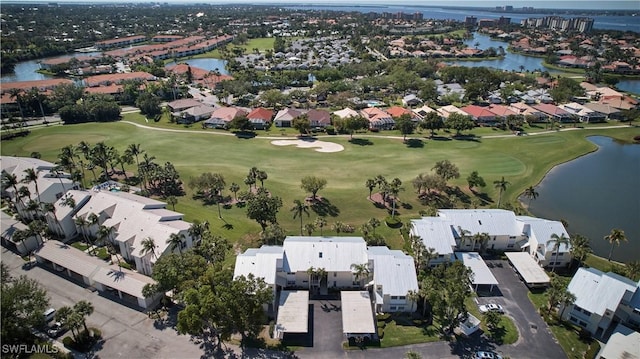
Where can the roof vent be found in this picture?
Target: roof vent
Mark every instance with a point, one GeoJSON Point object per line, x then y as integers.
{"type": "Point", "coordinates": [480, 222]}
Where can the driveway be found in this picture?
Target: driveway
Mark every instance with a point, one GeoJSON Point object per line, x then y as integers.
{"type": "Point", "coordinates": [535, 340]}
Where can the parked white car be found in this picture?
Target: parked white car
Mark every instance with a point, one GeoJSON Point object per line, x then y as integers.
{"type": "Point", "coordinates": [491, 307]}
{"type": "Point", "coordinates": [487, 355]}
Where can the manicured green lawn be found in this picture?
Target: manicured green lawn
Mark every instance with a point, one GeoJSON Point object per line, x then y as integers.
{"type": "Point", "coordinates": [509, 331]}
{"type": "Point", "coordinates": [523, 161]}
{"type": "Point", "coordinates": [401, 329]}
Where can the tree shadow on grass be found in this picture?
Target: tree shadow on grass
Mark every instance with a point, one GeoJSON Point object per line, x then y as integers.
{"type": "Point", "coordinates": [323, 207]}
{"type": "Point", "coordinates": [471, 138]}
{"type": "Point", "coordinates": [414, 143]}
{"type": "Point", "coordinates": [441, 138]}
{"type": "Point", "coordinates": [361, 142]}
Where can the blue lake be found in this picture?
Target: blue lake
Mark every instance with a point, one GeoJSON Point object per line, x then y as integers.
{"type": "Point", "coordinates": [209, 64]}
{"type": "Point", "coordinates": [595, 194]}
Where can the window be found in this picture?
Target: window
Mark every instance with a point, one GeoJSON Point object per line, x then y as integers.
{"type": "Point", "coordinates": [394, 297]}
{"type": "Point", "coordinates": [573, 319]}
{"type": "Point", "coordinates": [392, 307]}
{"type": "Point", "coordinates": [354, 283]}
{"type": "Point", "coordinates": [582, 324]}
{"type": "Point", "coordinates": [291, 282]}
{"type": "Point", "coordinates": [320, 255]}
{"type": "Point", "coordinates": [334, 283]}
{"type": "Point", "coordinates": [335, 274]}
{"type": "Point", "coordinates": [402, 297]}
{"type": "Point", "coordinates": [400, 308]}
{"type": "Point", "coordinates": [510, 245]}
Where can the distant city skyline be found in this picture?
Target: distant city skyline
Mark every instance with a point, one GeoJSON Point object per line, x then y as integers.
{"type": "Point", "coordinates": [566, 4]}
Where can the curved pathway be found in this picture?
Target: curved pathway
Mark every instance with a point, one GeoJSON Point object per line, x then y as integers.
{"type": "Point", "coordinates": [362, 136]}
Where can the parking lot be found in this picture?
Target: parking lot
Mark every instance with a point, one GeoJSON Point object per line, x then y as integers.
{"type": "Point", "coordinates": [535, 339]}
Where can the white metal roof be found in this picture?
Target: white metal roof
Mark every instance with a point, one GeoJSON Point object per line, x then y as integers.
{"type": "Point", "coordinates": [491, 221]}
{"type": "Point", "coordinates": [357, 314]}
{"type": "Point", "coordinates": [293, 312]}
{"type": "Point", "coordinates": [435, 233]}
{"type": "Point", "coordinates": [542, 229]}
{"type": "Point", "coordinates": [481, 273]}
{"type": "Point", "coordinates": [623, 343]}
{"type": "Point", "coordinates": [123, 280]}
{"type": "Point", "coordinates": [69, 257]}
{"type": "Point", "coordinates": [530, 271]}
{"type": "Point", "coordinates": [334, 254]}
{"type": "Point", "coordinates": [394, 270]}
{"type": "Point", "coordinates": [596, 291]}
{"type": "Point", "coordinates": [261, 262]}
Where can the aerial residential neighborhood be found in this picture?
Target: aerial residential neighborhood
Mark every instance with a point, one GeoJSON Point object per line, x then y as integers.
{"type": "Point", "coordinates": [316, 181]}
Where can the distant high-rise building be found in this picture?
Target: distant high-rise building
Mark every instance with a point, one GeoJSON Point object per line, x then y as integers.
{"type": "Point", "coordinates": [581, 24]}
{"type": "Point", "coordinates": [508, 8]}
{"type": "Point", "coordinates": [503, 20]}
{"type": "Point", "coordinates": [470, 21]}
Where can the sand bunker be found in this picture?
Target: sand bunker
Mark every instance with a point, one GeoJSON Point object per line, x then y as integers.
{"type": "Point", "coordinates": [320, 146]}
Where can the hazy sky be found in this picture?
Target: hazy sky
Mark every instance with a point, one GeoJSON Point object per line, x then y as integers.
{"type": "Point", "coordinates": [566, 4]}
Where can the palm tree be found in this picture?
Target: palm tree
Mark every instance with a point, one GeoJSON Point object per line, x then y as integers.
{"type": "Point", "coordinates": [261, 176]}
{"type": "Point", "coordinates": [465, 235]}
{"type": "Point", "coordinates": [374, 223]}
{"type": "Point", "coordinates": [633, 270]}
{"type": "Point", "coordinates": [483, 239]}
{"type": "Point", "coordinates": [566, 299]}
{"type": "Point", "coordinates": [428, 255]}
{"type": "Point", "coordinates": [615, 237]}
{"type": "Point", "coordinates": [299, 208]}
{"type": "Point", "coordinates": [149, 246]}
{"type": "Point", "coordinates": [17, 94]}
{"type": "Point", "coordinates": [309, 228]}
{"type": "Point", "coordinates": [360, 271]}
{"type": "Point", "coordinates": [394, 190]}
{"type": "Point", "coordinates": [32, 176]}
{"type": "Point", "coordinates": [176, 240]}
{"type": "Point", "coordinates": [36, 228]}
{"type": "Point", "coordinates": [9, 180]}
{"type": "Point", "coordinates": [234, 188]}
{"type": "Point", "coordinates": [51, 208]}
{"type": "Point", "coordinates": [370, 184]}
{"type": "Point", "coordinates": [83, 223]}
{"type": "Point", "coordinates": [501, 185]}
{"type": "Point", "coordinates": [197, 230]}
{"type": "Point", "coordinates": [83, 308]}
{"type": "Point", "coordinates": [580, 248]}
{"type": "Point", "coordinates": [338, 227]}
{"type": "Point", "coordinates": [531, 193]}
{"type": "Point", "coordinates": [320, 222]}
{"type": "Point", "coordinates": [134, 150]}
{"type": "Point", "coordinates": [557, 241]}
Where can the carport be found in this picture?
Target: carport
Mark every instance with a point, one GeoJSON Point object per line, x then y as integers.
{"type": "Point", "coordinates": [357, 315]}
{"type": "Point", "coordinates": [128, 285]}
{"type": "Point", "coordinates": [77, 264]}
{"type": "Point", "coordinates": [530, 272]}
{"type": "Point", "coordinates": [293, 313]}
{"type": "Point", "coordinates": [481, 273]}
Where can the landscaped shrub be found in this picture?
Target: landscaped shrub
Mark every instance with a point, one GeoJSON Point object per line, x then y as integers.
{"type": "Point", "coordinates": [393, 222]}
{"type": "Point", "coordinates": [593, 350]}
{"type": "Point", "coordinates": [68, 342]}
{"type": "Point", "coordinates": [272, 325]}
{"type": "Point", "coordinates": [330, 130]}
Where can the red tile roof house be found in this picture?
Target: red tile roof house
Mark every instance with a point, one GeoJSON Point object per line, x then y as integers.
{"type": "Point", "coordinates": [221, 117]}
{"type": "Point", "coordinates": [397, 112]}
{"type": "Point", "coordinates": [481, 115]}
{"type": "Point", "coordinates": [554, 112]}
{"type": "Point", "coordinates": [378, 119]}
{"type": "Point", "coordinates": [285, 117]}
{"type": "Point", "coordinates": [319, 118]}
{"type": "Point", "coordinates": [260, 118]}
{"type": "Point", "coordinates": [120, 42]}
{"type": "Point", "coordinates": [501, 112]}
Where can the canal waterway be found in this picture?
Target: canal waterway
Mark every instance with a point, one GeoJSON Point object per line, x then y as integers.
{"type": "Point", "coordinates": [596, 193]}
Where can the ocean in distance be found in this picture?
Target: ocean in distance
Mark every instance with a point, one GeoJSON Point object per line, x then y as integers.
{"type": "Point", "coordinates": [622, 23]}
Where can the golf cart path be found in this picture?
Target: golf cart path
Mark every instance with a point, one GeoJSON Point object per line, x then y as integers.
{"type": "Point", "coordinates": [360, 136]}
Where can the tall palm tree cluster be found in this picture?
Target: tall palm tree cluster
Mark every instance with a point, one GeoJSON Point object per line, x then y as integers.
{"type": "Point", "coordinates": [154, 178]}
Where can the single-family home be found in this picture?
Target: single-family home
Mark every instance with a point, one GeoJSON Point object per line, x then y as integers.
{"type": "Point", "coordinates": [554, 112]}
{"type": "Point", "coordinates": [194, 114]}
{"type": "Point", "coordinates": [378, 119]}
{"type": "Point", "coordinates": [260, 118]}
{"type": "Point", "coordinates": [529, 113]}
{"type": "Point", "coordinates": [602, 300]}
{"type": "Point", "coordinates": [583, 113]}
{"type": "Point", "coordinates": [346, 112]}
{"type": "Point", "coordinates": [446, 111]}
{"type": "Point", "coordinates": [422, 112]}
{"type": "Point", "coordinates": [610, 112]}
{"type": "Point", "coordinates": [397, 112]}
{"type": "Point", "coordinates": [319, 118]}
{"type": "Point", "coordinates": [480, 115]}
{"type": "Point", "coordinates": [284, 117]}
{"type": "Point", "coordinates": [502, 111]}
{"type": "Point", "coordinates": [623, 343]}
{"type": "Point", "coordinates": [221, 117]}
{"type": "Point", "coordinates": [182, 104]}
{"type": "Point", "coordinates": [411, 100]}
